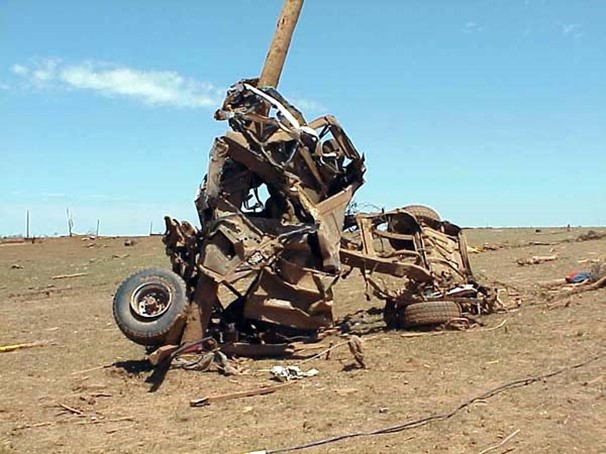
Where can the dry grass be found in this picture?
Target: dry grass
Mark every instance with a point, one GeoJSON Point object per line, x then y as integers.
{"type": "Point", "coordinates": [406, 378]}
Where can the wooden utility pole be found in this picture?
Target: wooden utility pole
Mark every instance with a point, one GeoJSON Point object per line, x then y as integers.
{"type": "Point", "coordinates": [278, 49]}
{"type": "Point", "coordinates": [205, 294]}
{"type": "Point", "coordinates": [27, 224]}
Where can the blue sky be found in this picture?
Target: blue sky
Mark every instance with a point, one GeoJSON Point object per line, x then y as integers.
{"type": "Point", "coordinates": [491, 111]}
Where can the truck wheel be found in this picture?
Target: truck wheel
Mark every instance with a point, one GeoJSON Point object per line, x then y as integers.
{"type": "Point", "coordinates": [148, 304]}
{"type": "Point", "coordinates": [430, 313]}
{"type": "Point", "coordinates": [423, 213]}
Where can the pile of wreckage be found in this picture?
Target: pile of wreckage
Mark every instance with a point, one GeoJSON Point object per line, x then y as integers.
{"type": "Point", "coordinates": [275, 236]}
{"type": "Point", "coordinates": [417, 264]}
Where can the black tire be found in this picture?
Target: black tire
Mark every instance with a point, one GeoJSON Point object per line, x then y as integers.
{"type": "Point", "coordinates": [430, 313]}
{"type": "Point", "coordinates": [148, 303]}
{"type": "Point", "coordinates": [423, 213]}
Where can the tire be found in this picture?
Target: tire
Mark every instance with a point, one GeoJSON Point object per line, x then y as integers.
{"type": "Point", "coordinates": [423, 213]}
{"type": "Point", "coordinates": [430, 313]}
{"type": "Point", "coordinates": [148, 304]}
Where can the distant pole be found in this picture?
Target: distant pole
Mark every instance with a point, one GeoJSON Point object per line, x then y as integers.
{"type": "Point", "coordinates": [27, 224]}
{"type": "Point", "coordinates": [70, 222]}
{"type": "Point", "coordinates": [151, 228]}
{"type": "Point", "coordinates": [97, 232]}
{"type": "Point", "coordinates": [278, 49]}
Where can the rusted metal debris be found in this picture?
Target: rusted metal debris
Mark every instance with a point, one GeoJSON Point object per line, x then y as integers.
{"type": "Point", "coordinates": [271, 207]}
{"type": "Point", "coordinates": [274, 235]}
{"type": "Point", "coordinates": [417, 264]}
{"type": "Point", "coordinates": [259, 271]}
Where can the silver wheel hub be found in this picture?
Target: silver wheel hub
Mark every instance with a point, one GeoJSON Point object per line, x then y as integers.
{"type": "Point", "coordinates": [151, 300]}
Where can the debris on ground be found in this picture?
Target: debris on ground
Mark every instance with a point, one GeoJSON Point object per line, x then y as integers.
{"type": "Point", "coordinates": [591, 235]}
{"type": "Point", "coordinates": [14, 240]}
{"type": "Point", "coordinates": [207, 361]}
{"type": "Point", "coordinates": [271, 208]}
{"type": "Point", "coordinates": [490, 247]}
{"type": "Point", "coordinates": [536, 260]}
{"type": "Point", "coordinates": [578, 277]}
{"type": "Point", "coordinates": [578, 281]}
{"type": "Point", "coordinates": [583, 261]}
{"type": "Point", "coordinates": [441, 416]}
{"type": "Point", "coordinates": [16, 266]}
{"type": "Point", "coordinates": [288, 373]}
{"type": "Point", "coordinates": [417, 264]}
{"type": "Point", "coordinates": [201, 402]}
{"type": "Point", "coordinates": [10, 348]}
{"type": "Point", "coordinates": [448, 329]}
{"type": "Point", "coordinates": [68, 276]}
{"type": "Point", "coordinates": [355, 347]}
{"type": "Point", "coordinates": [275, 232]}
{"type": "Point", "coordinates": [130, 242]}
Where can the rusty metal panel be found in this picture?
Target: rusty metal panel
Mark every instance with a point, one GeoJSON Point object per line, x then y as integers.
{"type": "Point", "coordinates": [272, 205]}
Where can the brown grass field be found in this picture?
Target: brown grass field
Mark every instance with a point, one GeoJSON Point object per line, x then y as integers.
{"type": "Point", "coordinates": [407, 377]}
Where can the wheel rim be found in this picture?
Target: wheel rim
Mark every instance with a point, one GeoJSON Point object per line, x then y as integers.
{"type": "Point", "coordinates": [151, 300]}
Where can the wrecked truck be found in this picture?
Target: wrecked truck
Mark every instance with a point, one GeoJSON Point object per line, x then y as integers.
{"type": "Point", "coordinates": [416, 263]}
{"type": "Point", "coordinates": [271, 207]}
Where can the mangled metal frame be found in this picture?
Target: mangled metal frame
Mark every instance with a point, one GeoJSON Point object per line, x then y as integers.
{"type": "Point", "coordinates": [426, 260]}
{"type": "Point", "coordinates": [279, 257]}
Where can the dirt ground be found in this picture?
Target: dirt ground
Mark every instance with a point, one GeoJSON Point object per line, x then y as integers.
{"type": "Point", "coordinates": [407, 377]}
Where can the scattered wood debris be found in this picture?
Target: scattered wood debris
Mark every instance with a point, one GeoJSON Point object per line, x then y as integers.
{"type": "Point", "coordinates": [471, 330]}
{"type": "Point", "coordinates": [491, 247]}
{"type": "Point", "coordinates": [16, 240]}
{"type": "Point", "coordinates": [103, 421]}
{"type": "Point", "coordinates": [69, 276]}
{"type": "Point", "coordinates": [355, 347]}
{"type": "Point", "coordinates": [505, 440]}
{"type": "Point", "coordinates": [10, 348]}
{"type": "Point", "coordinates": [539, 243]}
{"type": "Point", "coordinates": [104, 366]}
{"type": "Point", "coordinates": [238, 394]}
{"type": "Point", "coordinates": [583, 261]}
{"type": "Point", "coordinates": [33, 426]}
{"type": "Point", "coordinates": [72, 410]}
{"type": "Point", "coordinates": [537, 259]}
{"type": "Point", "coordinates": [591, 235]}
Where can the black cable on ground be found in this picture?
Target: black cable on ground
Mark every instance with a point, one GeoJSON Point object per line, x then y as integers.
{"type": "Point", "coordinates": [440, 416]}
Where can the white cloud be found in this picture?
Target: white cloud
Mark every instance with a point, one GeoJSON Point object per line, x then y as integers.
{"type": "Point", "coordinates": [46, 71]}
{"type": "Point", "coordinates": [307, 105]}
{"type": "Point", "coordinates": [53, 195]}
{"type": "Point", "coordinates": [573, 30]}
{"type": "Point", "coordinates": [569, 28]}
{"type": "Point", "coordinates": [472, 27]}
{"type": "Point", "coordinates": [19, 70]}
{"type": "Point", "coordinates": [151, 87]}
{"type": "Point", "coordinates": [105, 198]}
